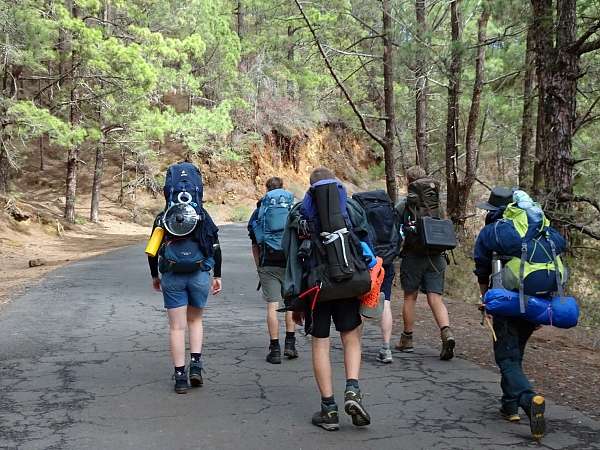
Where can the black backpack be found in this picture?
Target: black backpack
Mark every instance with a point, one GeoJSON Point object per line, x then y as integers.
{"type": "Point", "coordinates": [424, 228]}
{"type": "Point", "coordinates": [383, 223]}
{"type": "Point", "coordinates": [333, 253]}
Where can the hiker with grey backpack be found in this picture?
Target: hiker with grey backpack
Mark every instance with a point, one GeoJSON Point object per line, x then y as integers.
{"type": "Point", "coordinates": [427, 236]}
{"type": "Point", "coordinates": [184, 249]}
{"type": "Point", "coordinates": [265, 229]}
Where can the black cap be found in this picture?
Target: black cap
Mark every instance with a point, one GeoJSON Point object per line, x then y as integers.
{"type": "Point", "coordinates": [499, 197]}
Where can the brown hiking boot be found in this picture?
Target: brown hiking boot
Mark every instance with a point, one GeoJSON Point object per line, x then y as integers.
{"type": "Point", "coordinates": [448, 344]}
{"type": "Point", "coordinates": [406, 343]}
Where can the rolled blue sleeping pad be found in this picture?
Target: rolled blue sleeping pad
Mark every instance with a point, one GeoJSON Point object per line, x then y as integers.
{"type": "Point", "coordinates": [560, 312]}
{"type": "Point", "coordinates": [368, 254]}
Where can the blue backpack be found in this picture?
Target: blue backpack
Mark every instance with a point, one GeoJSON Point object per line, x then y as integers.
{"type": "Point", "coordinates": [184, 177]}
{"type": "Point", "coordinates": [272, 216]}
{"type": "Point", "coordinates": [183, 255]}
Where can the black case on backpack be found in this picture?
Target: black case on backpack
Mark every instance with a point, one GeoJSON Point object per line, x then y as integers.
{"type": "Point", "coordinates": [437, 234]}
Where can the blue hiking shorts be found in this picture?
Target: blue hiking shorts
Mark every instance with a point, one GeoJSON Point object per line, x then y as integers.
{"type": "Point", "coordinates": [183, 289]}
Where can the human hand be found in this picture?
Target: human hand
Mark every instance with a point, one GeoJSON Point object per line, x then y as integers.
{"type": "Point", "coordinates": [156, 284]}
{"type": "Point", "coordinates": [298, 317]}
{"type": "Point", "coordinates": [217, 286]}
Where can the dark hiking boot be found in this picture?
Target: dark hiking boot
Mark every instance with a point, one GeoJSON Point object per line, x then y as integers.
{"type": "Point", "coordinates": [181, 382]}
{"type": "Point", "coordinates": [537, 422]}
{"type": "Point", "coordinates": [327, 418]}
{"type": "Point", "coordinates": [448, 344]}
{"type": "Point", "coordinates": [353, 406]}
{"type": "Point", "coordinates": [274, 356]}
{"type": "Point", "coordinates": [406, 343]}
{"type": "Point", "coordinates": [511, 416]}
{"type": "Point", "coordinates": [289, 350]}
{"type": "Point", "coordinates": [196, 373]}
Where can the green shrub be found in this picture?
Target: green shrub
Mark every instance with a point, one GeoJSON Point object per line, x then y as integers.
{"type": "Point", "coordinates": [376, 172]}
{"type": "Point", "coordinates": [240, 214]}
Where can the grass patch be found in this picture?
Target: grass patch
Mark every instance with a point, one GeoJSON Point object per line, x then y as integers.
{"type": "Point", "coordinates": [240, 214]}
{"type": "Point", "coordinates": [376, 172]}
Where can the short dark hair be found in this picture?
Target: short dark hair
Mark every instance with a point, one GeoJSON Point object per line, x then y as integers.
{"type": "Point", "coordinates": [321, 173]}
{"type": "Point", "coordinates": [415, 173]}
{"type": "Point", "coordinates": [274, 183]}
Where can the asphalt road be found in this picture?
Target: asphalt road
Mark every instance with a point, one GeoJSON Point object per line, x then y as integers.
{"type": "Point", "coordinates": [84, 364]}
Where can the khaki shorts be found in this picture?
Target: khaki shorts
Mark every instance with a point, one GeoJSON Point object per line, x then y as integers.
{"type": "Point", "coordinates": [271, 280]}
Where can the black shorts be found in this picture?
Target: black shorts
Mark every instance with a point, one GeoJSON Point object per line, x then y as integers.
{"type": "Point", "coordinates": [345, 314]}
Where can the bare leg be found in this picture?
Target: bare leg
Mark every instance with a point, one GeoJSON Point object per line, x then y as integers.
{"type": "Point", "coordinates": [386, 322]}
{"type": "Point", "coordinates": [272, 320]}
{"type": "Point", "coordinates": [196, 327]}
{"type": "Point", "coordinates": [177, 327]}
{"type": "Point", "coordinates": [352, 352]}
{"type": "Point", "coordinates": [322, 365]}
{"type": "Point", "coordinates": [440, 312]}
{"type": "Point", "coordinates": [290, 325]}
{"type": "Point", "coordinates": [408, 310]}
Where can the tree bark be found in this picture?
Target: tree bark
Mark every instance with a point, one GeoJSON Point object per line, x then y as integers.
{"type": "Point", "coordinates": [96, 184]}
{"type": "Point", "coordinates": [421, 87]}
{"type": "Point", "coordinates": [452, 116]}
{"type": "Point", "coordinates": [527, 125]}
{"type": "Point", "coordinates": [542, 27]}
{"type": "Point", "coordinates": [290, 58]}
{"type": "Point", "coordinates": [472, 137]}
{"type": "Point", "coordinates": [73, 153]}
{"type": "Point", "coordinates": [388, 94]}
{"type": "Point", "coordinates": [4, 163]}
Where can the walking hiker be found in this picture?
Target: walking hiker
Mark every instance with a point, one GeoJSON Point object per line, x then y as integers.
{"type": "Point", "coordinates": [325, 276]}
{"type": "Point", "coordinates": [184, 248]}
{"type": "Point", "coordinates": [385, 238]}
{"type": "Point", "coordinates": [422, 268]}
{"type": "Point", "coordinates": [517, 238]}
{"type": "Point", "coordinates": [265, 229]}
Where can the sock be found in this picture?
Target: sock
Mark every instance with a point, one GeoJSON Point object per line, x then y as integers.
{"type": "Point", "coordinates": [180, 369]}
{"type": "Point", "coordinates": [290, 334]}
{"type": "Point", "coordinates": [351, 382]}
{"type": "Point", "coordinates": [386, 346]}
{"type": "Point", "coordinates": [328, 401]}
{"type": "Point", "coordinates": [274, 342]}
{"type": "Point", "coordinates": [196, 356]}
{"type": "Point", "coordinates": [407, 333]}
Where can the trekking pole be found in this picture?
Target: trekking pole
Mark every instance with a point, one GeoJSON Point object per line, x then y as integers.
{"type": "Point", "coordinates": [485, 320]}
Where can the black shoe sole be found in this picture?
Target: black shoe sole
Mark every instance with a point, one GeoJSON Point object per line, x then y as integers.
{"type": "Point", "coordinates": [290, 354]}
{"type": "Point", "coordinates": [360, 418]}
{"type": "Point", "coordinates": [196, 380]}
{"type": "Point", "coordinates": [181, 390]}
{"type": "Point", "coordinates": [448, 350]}
{"type": "Point", "coordinates": [537, 420]}
{"type": "Point", "coordinates": [274, 360]}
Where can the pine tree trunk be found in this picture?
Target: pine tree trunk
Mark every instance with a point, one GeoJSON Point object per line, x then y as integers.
{"type": "Point", "coordinates": [388, 94]}
{"type": "Point", "coordinates": [472, 137]}
{"type": "Point", "coordinates": [421, 88]}
{"type": "Point", "coordinates": [73, 154]}
{"type": "Point", "coordinates": [560, 108]}
{"type": "Point", "coordinates": [290, 58]}
{"type": "Point", "coordinates": [4, 164]}
{"type": "Point", "coordinates": [452, 117]}
{"type": "Point", "coordinates": [525, 181]}
{"type": "Point", "coordinates": [542, 31]}
{"type": "Point", "coordinates": [96, 184]}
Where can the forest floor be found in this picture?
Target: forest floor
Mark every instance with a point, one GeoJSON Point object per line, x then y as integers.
{"type": "Point", "coordinates": [563, 365]}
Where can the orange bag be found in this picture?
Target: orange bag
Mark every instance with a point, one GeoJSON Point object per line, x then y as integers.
{"type": "Point", "coordinates": [371, 298]}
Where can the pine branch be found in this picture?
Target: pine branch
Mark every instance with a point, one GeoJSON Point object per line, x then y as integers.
{"type": "Point", "coordinates": [358, 114]}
